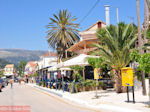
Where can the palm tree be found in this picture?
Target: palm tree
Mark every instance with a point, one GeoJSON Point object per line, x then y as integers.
{"type": "Point", "coordinates": [116, 42]}
{"type": "Point", "coordinates": [63, 31]}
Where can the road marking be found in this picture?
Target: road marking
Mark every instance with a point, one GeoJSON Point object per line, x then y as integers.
{"type": "Point", "coordinates": [63, 100]}
{"type": "Point", "coordinates": [16, 108]}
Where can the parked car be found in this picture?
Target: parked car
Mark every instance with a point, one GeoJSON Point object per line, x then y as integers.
{"type": "Point", "coordinates": [6, 81]}
{"type": "Point", "coordinates": [1, 84]}
{"type": "Point", "coordinates": [0, 87]}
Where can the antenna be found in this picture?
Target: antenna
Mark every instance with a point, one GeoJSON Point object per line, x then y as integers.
{"type": "Point", "coordinates": [117, 14]}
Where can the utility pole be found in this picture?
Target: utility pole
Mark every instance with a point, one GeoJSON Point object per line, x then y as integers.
{"type": "Point", "coordinates": [140, 43]}
{"type": "Point", "coordinates": [146, 15]}
{"type": "Point", "coordinates": [140, 40]}
{"type": "Point", "coordinates": [147, 25]}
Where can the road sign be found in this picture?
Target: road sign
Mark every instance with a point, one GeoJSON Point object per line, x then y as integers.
{"type": "Point", "coordinates": [96, 73]}
{"type": "Point", "coordinates": [127, 76]}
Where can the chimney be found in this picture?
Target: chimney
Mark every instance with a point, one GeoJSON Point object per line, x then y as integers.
{"type": "Point", "coordinates": [107, 14]}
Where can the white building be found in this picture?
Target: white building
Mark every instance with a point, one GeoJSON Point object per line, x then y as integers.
{"type": "Point", "coordinates": [30, 68]}
{"type": "Point", "coordinates": [47, 60]}
{"type": "Point", "coordinates": [9, 70]}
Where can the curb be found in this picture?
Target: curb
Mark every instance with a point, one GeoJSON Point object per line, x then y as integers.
{"type": "Point", "coordinates": [46, 90]}
{"type": "Point", "coordinates": [49, 91]}
{"type": "Point", "coordinates": [105, 107]}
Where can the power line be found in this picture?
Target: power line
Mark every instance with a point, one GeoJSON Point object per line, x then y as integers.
{"type": "Point", "coordinates": [89, 11]}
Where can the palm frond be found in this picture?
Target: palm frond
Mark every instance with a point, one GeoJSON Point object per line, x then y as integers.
{"type": "Point", "coordinates": [116, 44]}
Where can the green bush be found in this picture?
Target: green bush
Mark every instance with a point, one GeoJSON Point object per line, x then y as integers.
{"type": "Point", "coordinates": [87, 85]}
{"type": "Point", "coordinates": [72, 87]}
{"type": "Point", "coordinates": [42, 83]}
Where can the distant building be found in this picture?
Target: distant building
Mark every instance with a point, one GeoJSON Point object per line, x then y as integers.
{"type": "Point", "coordinates": [9, 70]}
{"type": "Point", "coordinates": [30, 68]}
{"type": "Point", "coordinates": [46, 60]}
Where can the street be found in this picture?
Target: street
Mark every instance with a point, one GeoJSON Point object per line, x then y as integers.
{"type": "Point", "coordinates": [23, 95]}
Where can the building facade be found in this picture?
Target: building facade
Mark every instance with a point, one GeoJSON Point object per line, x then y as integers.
{"type": "Point", "coordinates": [46, 60]}
{"type": "Point", "coordinates": [30, 68]}
{"type": "Point", "coordinates": [9, 70]}
{"type": "Point", "coordinates": [88, 38]}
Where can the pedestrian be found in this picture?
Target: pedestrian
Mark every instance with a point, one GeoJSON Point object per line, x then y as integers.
{"type": "Point", "coordinates": [11, 81]}
{"type": "Point", "coordinates": [20, 81]}
{"type": "Point", "coordinates": [27, 80]}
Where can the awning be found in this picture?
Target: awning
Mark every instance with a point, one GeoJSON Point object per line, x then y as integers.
{"type": "Point", "coordinates": [79, 60]}
{"type": "Point", "coordinates": [8, 74]}
{"type": "Point", "coordinates": [55, 67]}
{"type": "Point", "coordinates": [52, 69]}
{"type": "Point", "coordinates": [65, 68]}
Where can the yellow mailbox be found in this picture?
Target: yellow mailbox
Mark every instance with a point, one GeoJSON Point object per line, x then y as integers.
{"type": "Point", "coordinates": [127, 76]}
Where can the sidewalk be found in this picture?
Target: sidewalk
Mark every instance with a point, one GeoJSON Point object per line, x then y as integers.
{"type": "Point", "coordinates": [107, 100]}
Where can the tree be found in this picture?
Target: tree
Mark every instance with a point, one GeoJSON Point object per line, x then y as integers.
{"type": "Point", "coordinates": [34, 75]}
{"type": "Point", "coordinates": [3, 63]}
{"type": "Point", "coordinates": [114, 47]}
{"type": "Point", "coordinates": [135, 56]}
{"type": "Point", "coordinates": [1, 73]}
{"type": "Point", "coordinates": [96, 63]}
{"type": "Point", "coordinates": [144, 64]}
{"type": "Point", "coordinates": [63, 31]}
{"type": "Point", "coordinates": [76, 75]}
{"type": "Point", "coordinates": [21, 67]}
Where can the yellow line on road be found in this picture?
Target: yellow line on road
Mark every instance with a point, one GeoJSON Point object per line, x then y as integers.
{"type": "Point", "coordinates": [62, 100]}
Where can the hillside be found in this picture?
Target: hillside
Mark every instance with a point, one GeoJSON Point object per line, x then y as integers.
{"type": "Point", "coordinates": [16, 55]}
{"type": "Point", "coordinates": [3, 63]}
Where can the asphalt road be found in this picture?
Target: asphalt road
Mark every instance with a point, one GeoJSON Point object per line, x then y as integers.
{"type": "Point", "coordinates": [24, 95]}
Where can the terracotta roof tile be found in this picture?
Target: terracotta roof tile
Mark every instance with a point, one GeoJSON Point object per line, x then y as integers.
{"type": "Point", "coordinates": [32, 63]}
{"type": "Point", "coordinates": [49, 54]}
{"type": "Point", "coordinates": [9, 66]}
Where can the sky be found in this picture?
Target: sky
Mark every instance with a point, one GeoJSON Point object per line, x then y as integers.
{"type": "Point", "coordinates": [23, 22]}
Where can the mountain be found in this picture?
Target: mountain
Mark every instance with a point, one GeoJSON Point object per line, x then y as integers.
{"type": "Point", "coordinates": [16, 55]}
{"type": "Point", "coordinates": [3, 63]}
